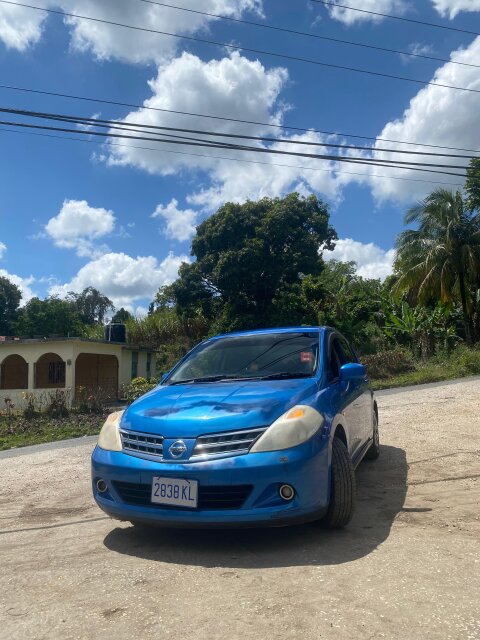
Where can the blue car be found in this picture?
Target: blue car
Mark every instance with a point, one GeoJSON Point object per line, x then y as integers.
{"type": "Point", "coordinates": [248, 429]}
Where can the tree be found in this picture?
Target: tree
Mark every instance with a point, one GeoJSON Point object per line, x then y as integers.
{"type": "Point", "coordinates": [122, 315]}
{"type": "Point", "coordinates": [472, 185]}
{"type": "Point", "coordinates": [247, 255]}
{"type": "Point", "coordinates": [349, 302]}
{"type": "Point", "coordinates": [10, 296]}
{"type": "Point", "coordinates": [440, 259]}
{"type": "Point", "coordinates": [91, 305]}
{"type": "Point", "coordinates": [41, 318]}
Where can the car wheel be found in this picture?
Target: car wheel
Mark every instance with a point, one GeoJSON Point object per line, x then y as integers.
{"type": "Point", "coordinates": [342, 492]}
{"type": "Point", "coordinates": [374, 450]}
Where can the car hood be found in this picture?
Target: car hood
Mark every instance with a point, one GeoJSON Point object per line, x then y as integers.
{"type": "Point", "coordinates": [190, 410]}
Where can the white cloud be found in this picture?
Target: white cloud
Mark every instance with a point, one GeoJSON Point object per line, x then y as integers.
{"type": "Point", "coordinates": [371, 260]}
{"type": "Point", "coordinates": [24, 284]}
{"type": "Point", "coordinates": [233, 85]}
{"type": "Point", "coordinates": [398, 7]}
{"type": "Point", "coordinates": [452, 8]}
{"type": "Point", "coordinates": [242, 89]}
{"type": "Point", "coordinates": [21, 28]}
{"type": "Point", "coordinates": [78, 225]}
{"type": "Point", "coordinates": [180, 223]}
{"type": "Point", "coordinates": [3, 249]}
{"type": "Point", "coordinates": [417, 49]}
{"type": "Point", "coordinates": [435, 116]}
{"type": "Point", "coordinates": [124, 279]}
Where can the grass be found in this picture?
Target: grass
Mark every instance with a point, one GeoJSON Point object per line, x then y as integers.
{"type": "Point", "coordinates": [460, 363]}
{"type": "Point", "coordinates": [17, 431]}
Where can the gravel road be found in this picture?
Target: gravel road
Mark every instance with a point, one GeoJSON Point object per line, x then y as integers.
{"type": "Point", "coordinates": [406, 568]}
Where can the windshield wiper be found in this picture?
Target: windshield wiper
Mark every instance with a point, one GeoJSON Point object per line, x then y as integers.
{"type": "Point", "coordinates": [217, 378]}
{"type": "Point", "coordinates": [286, 374]}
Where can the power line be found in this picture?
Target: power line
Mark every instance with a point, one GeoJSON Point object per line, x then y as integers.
{"type": "Point", "coordinates": [223, 118]}
{"type": "Point", "coordinates": [308, 34]}
{"type": "Point", "coordinates": [365, 161]}
{"type": "Point", "coordinates": [230, 159]}
{"type": "Point", "coordinates": [116, 124]}
{"type": "Point", "coordinates": [387, 15]}
{"type": "Point", "coordinates": [234, 47]}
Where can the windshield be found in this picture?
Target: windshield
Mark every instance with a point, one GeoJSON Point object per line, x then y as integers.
{"type": "Point", "coordinates": [272, 355]}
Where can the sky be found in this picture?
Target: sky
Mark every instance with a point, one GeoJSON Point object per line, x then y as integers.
{"type": "Point", "coordinates": [119, 215]}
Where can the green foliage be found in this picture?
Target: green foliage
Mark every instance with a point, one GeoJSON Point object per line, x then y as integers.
{"type": "Point", "coordinates": [462, 361]}
{"type": "Point", "coordinates": [248, 255]}
{"type": "Point", "coordinates": [472, 185]}
{"type": "Point", "coordinates": [441, 259]}
{"type": "Point", "coordinates": [171, 335]}
{"type": "Point", "coordinates": [91, 400]}
{"type": "Point", "coordinates": [386, 364]}
{"type": "Point", "coordinates": [91, 305]}
{"type": "Point", "coordinates": [10, 296]}
{"type": "Point", "coordinates": [122, 315]}
{"type": "Point", "coordinates": [46, 317]}
{"type": "Point", "coordinates": [20, 432]}
{"type": "Point", "coordinates": [422, 328]}
{"type": "Point", "coordinates": [138, 387]}
{"type": "Point", "coordinates": [348, 302]}
{"type": "Point", "coordinates": [57, 403]}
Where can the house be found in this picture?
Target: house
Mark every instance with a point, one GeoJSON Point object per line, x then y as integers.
{"type": "Point", "coordinates": [37, 365]}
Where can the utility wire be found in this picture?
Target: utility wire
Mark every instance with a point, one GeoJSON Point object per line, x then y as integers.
{"type": "Point", "coordinates": [234, 47]}
{"type": "Point", "coordinates": [119, 124]}
{"type": "Point", "coordinates": [387, 15]}
{"type": "Point", "coordinates": [308, 34]}
{"type": "Point", "coordinates": [230, 159]}
{"type": "Point", "coordinates": [223, 118]}
{"type": "Point", "coordinates": [364, 161]}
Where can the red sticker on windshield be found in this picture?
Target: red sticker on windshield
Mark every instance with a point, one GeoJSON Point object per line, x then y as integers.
{"type": "Point", "coordinates": [306, 356]}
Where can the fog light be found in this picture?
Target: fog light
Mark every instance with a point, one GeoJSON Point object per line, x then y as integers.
{"type": "Point", "coordinates": [101, 486]}
{"type": "Point", "coordinates": [286, 492]}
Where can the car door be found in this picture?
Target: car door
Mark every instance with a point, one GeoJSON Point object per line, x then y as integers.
{"type": "Point", "coordinates": [347, 397]}
{"type": "Point", "coordinates": [365, 399]}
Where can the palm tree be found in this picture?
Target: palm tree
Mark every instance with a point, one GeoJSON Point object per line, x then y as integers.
{"type": "Point", "coordinates": [441, 258]}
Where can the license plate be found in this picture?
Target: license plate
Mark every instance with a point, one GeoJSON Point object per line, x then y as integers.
{"type": "Point", "coordinates": [174, 491]}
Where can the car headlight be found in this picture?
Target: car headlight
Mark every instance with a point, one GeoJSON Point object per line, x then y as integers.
{"type": "Point", "coordinates": [296, 426]}
{"type": "Point", "coordinates": [109, 438]}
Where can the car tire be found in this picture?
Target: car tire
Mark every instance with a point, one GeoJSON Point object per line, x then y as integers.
{"type": "Point", "coordinates": [374, 449]}
{"type": "Point", "coordinates": [342, 492]}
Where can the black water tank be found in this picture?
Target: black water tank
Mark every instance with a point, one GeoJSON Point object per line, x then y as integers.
{"type": "Point", "coordinates": [115, 332]}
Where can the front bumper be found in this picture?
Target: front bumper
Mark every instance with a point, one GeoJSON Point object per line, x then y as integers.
{"type": "Point", "coordinates": [305, 467]}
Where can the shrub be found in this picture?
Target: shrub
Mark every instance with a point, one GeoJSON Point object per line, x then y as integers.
{"type": "Point", "coordinates": [386, 364]}
{"type": "Point", "coordinates": [57, 403]}
{"type": "Point", "coordinates": [138, 387]}
{"type": "Point", "coordinates": [91, 399]}
{"type": "Point", "coordinates": [32, 405]}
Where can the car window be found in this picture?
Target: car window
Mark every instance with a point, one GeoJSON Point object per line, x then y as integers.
{"type": "Point", "coordinates": [333, 364]}
{"type": "Point", "coordinates": [288, 354]}
{"type": "Point", "coordinates": [347, 351]}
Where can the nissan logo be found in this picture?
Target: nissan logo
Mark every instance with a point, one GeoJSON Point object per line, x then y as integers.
{"type": "Point", "coordinates": [177, 449]}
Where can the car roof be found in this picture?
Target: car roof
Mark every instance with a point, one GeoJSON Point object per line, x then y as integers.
{"type": "Point", "coordinates": [274, 330]}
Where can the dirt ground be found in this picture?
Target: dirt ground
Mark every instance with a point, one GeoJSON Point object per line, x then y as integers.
{"type": "Point", "coordinates": [407, 567]}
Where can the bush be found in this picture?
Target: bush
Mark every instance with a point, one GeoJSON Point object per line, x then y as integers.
{"type": "Point", "coordinates": [57, 403]}
{"type": "Point", "coordinates": [91, 400]}
{"type": "Point", "coordinates": [386, 364]}
{"type": "Point", "coordinates": [138, 387]}
{"type": "Point", "coordinates": [32, 405]}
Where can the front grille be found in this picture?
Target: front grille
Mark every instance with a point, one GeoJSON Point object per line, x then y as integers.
{"type": "Point", "coordinates": [142, 442]}
{"type": "Point", "coordinates": [209, 497]}
{"type": "Point", "coordinates": [227, 442]}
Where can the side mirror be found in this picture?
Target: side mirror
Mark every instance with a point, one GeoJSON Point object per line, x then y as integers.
{"type": "Point", "coordinates": [162, 378]}
{"type": "Point", "coordinates": [352, 371]}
